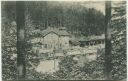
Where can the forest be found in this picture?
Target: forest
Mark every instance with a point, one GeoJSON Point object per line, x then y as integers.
{"type": "Point", "coordinates": [73, 16]}
{"type": "Point", "coordinates": [78, 20]}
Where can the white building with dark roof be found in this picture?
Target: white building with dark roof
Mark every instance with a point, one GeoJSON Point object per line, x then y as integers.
{"type": "Point", "coordinates": [54, 38]}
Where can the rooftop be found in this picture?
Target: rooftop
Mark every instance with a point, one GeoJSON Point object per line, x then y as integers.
{"type": "Point", "coordinates": [61, 32]}
{"type": "Point", "coordinates": [89, 38]}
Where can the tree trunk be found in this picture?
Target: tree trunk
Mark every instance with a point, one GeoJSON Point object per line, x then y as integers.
{"type": "Point", "coordinates": [108, 46]}
{"type": "Point", "coordinates": [20, 19]}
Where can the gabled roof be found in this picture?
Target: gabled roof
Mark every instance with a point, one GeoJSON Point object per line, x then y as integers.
{"type": "Point", "coordinates": [56, 31]}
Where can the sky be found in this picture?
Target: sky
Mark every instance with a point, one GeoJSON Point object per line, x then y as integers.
{"type": "Point", "coordinates": [98, 5]}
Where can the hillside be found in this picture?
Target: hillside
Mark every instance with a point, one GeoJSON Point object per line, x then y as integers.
{"type": "Point", "coordinates": [75, 17]}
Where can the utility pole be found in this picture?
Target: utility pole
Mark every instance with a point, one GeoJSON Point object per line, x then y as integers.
{"type": "Point", "coordinates": [20, 20]}
{"type": "Point", "coordinates": [108, 45]}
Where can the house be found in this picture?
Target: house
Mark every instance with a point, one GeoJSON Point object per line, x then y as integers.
{"type": "Point", "coordinates": [55, 38]}
{"type": "Point", "coordinates": [89, 41]}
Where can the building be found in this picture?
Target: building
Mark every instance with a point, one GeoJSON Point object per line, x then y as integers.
{"type": "Point", "coordinates": [55, 38]}
{"type": "Point", "coordinates": [88, 41]}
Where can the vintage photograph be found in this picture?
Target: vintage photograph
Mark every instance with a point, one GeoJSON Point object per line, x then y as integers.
{"type": "Point", "coordinates": [63, 40]}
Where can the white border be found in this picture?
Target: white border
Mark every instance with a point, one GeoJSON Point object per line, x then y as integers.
{"type": "Point", "coordinates": [0, 48]}
{"type": "Point", "coordinates": [63, 0]}
{"type": "Point", "coordinates": [127, 37]}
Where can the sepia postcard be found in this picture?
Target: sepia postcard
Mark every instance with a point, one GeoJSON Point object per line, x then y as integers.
{"type": "Point", "coordinates": [63, 40]}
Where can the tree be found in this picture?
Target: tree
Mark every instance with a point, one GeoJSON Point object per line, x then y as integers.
{"type": "Point", "coordinates": [8, 44]}
{"type": "Point", "coordinates": [108, 46]}
{"type": "Point", "coordinates": [75, 18]}
{"type": "Point", "coordinates": [119, 41]}
{"type": "Point", "coordinates": [40, 15]}
{"type": "Point", "coordinates": [20, 20]}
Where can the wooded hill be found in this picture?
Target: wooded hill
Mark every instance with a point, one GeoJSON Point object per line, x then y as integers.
{"type": "Point", "coordinates": [73, 15]}
{"type": "Point", "coordinates": [77, 18]}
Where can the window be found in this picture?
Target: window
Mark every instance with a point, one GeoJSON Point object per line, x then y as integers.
{"type": "Point", "coordinates": [91, 53]}
{"type": "Point", "coordinates": [45, 45]}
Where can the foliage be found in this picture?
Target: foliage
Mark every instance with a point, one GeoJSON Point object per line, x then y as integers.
{"type": "Point", "coordinates": [76, 18]}
{"type": "Point", "coordinates": [119, 41]}
{"type": "Point", "coordinates": [9, 66]}
{"type": "Point", "coordinates": [70, 70]}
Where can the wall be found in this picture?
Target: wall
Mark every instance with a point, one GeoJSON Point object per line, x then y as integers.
{"type": "Point", "coordinates": [64, 40]}
{"type": "Point", "coordinates": [51, 40]}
